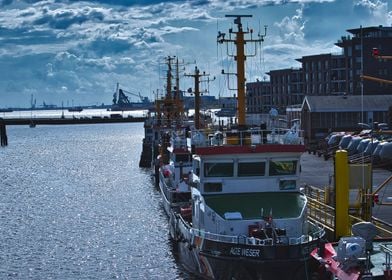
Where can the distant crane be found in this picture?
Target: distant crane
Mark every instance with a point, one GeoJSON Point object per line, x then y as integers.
{"type": "Point", "coordinates": [120, 98]}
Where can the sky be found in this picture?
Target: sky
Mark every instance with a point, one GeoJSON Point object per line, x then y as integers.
{"type": "Point", "coordinates": [75, 52]}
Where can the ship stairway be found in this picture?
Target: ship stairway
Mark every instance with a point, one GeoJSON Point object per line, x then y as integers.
{"type": "Point", "coordinates": [322, 211]}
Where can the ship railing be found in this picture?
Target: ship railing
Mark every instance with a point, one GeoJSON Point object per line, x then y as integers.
{"type": "Point", "coordinates": [243, 239]}
{"type": "Point", "coordinates": [253, 136]}
{"type": "Point", "coordinates": [178, 139]}
{"type": "Point", "coordinates": [316, 230]}
{"type": "Point", "coordinates": [388, 252]}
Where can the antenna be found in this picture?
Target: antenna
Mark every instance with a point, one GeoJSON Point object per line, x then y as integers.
{"type": "Point", "coordinates": [240, 57]}
{"type": "Point", "coordinates": [197, 77]}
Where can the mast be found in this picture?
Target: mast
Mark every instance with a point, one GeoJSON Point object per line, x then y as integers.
{"type": "Point", "coordinates": [171, 107]}
{"type": "Point", "coordinates": [179, 107]}
{"type": "Point", "coordinates": [239, 42]}
{"type": "Point", "coordinates": [197, 77]}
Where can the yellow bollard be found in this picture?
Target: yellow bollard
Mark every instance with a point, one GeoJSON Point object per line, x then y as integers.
{"type": "Point", "coordinates": [342, 227]}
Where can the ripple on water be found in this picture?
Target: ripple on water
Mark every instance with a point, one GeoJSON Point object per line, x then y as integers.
{"type": "Point", "coordinates": [75, 205]}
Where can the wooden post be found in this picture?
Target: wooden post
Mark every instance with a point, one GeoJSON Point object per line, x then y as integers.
{"type": "Point", "coordinates": [3, 133]}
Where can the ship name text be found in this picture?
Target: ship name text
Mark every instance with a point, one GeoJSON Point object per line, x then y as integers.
{"type": "Point", "coordinates": [243, 252]}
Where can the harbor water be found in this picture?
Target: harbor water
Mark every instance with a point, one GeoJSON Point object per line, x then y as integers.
{"type": "Point", "coordinates": [75, 205]}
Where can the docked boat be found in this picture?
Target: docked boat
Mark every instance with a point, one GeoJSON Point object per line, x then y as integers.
{"type": "Point", "coordinates": [247, 217]}
{"type": "Point", "coordinates": [76, 109]}
{"type": "Point", "coordinates": [175, 166]}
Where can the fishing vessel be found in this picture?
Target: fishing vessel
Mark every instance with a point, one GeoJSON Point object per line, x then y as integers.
{"type": "Point", "coordinates": [247, 217]}
{"type": "Point", "coordinates": [175, 160]}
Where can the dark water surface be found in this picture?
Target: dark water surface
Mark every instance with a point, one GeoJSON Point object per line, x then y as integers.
{"type": "Point", "coordinates": [75, 205]}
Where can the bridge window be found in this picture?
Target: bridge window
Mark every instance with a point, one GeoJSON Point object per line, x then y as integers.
{"type": "Point", "coordinates": [287, 184]}
{"type": "Point", "coordinates": [247, 169]}
{"type": "Point", "coordinates": [218, 169]}
{"type": "Point", "coordinates": [182, 157]}
{"type": "Point", "coordinates": [213, 187]}
{"type": "Point", "coordinates": [287, 167]}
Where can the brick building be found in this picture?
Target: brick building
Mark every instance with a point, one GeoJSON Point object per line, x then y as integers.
{"type": "Point", "coordinates": [328, 74]}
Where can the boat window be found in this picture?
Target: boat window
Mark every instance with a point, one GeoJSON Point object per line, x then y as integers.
{"type": "Point", "coordinates": [182, 157]}
{"type": "Point", "coordinates": [287, 184]}
{"type": "Point", "coordinates": [213, 187]}
{"type": "Point", "coordinates": [218, 169]}
{"type": "Point", "coordinates": [251, 169]}
{"type": "Point", "coordinates": [287, 167]}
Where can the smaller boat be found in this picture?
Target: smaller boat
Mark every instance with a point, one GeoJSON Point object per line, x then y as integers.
{"type": "Point", "coordinates": [32, 124]}
{"type": "Point", "coordinates": [226, 112]}
{"type": "Point", "coordinates": [175, 166]}
{"type": "Point", "coordinates": [76, 109]}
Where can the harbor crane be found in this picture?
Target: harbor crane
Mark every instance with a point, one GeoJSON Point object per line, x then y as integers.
{"type": "Point", "coordinates": [376, 54]}
{"type": "Point", "coordinates": [119, 96]}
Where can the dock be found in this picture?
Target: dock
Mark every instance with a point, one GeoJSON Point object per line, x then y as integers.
{"type": "Point", "coordinates": [317, 178]}
{"type": "Point", "coordinates": [3, 133]}
{"type": "Point", "coordinates": [61, 121]}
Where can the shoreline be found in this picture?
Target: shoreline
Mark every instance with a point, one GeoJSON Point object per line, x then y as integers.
{"type": "Point", "coordinates": [84, 120]}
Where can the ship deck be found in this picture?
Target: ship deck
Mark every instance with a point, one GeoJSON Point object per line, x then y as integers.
{"type": "Point", "coordinates": [278, 204]}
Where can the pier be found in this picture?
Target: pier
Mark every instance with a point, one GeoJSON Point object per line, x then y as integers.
{"type": "Point", "coordinates": [317, 178]}
{"type": "Point", "coordinates": [3, 133]}
{"type": "Point", "coordinates": [59, 121]}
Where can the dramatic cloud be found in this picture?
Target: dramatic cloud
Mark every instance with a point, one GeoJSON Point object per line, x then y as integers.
{"type": "Point", "coordinates": [79, 50]}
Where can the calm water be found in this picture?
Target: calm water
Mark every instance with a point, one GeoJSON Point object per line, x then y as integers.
{"type": "Point", "coordinates": [75, 205]}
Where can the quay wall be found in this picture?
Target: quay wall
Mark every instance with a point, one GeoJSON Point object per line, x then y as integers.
{"type": "Point", "coordinates": [57, 121]}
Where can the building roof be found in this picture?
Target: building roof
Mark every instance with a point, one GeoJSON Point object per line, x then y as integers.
{"type": "Point", "coordinates": [351, 103]}
{"type": "Point", "coordinates": [365, 30]}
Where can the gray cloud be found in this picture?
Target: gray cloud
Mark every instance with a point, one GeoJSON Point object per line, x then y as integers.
{"type": "Point", "coordinates": [83, 48]}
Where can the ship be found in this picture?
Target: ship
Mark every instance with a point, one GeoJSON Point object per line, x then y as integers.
{"type": "Point", "coordinates": [247, 216]}
{"type": "Point", "coordinates": [168, 112]}
{"type": "Point", "coordinates": [173, 161]}
{"type": "Point", "coordinates": [75, 109]}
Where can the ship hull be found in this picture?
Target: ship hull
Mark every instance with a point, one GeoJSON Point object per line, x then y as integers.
{"type": "Point", "coordinates": [170, 197]}
{"type": "Point", "coordinates": [237, 259]}
{"type": "Point", "coordinates": [281, 263]}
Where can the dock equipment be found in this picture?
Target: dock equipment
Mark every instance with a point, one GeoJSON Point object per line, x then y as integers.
{"type": "Point", "coordinates": [335, 208]}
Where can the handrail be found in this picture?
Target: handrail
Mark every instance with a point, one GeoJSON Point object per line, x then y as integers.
{"type": "Point", "coordinates": [253, 136]}
{"type": "Point", "coordinates": [325, 214]}
{"type": "Point", "coordinates": [243, 239]}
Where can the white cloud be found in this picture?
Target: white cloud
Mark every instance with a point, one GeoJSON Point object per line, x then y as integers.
{"type": "Point", "coordinates": [87, 46]}
{"type": "Point", "coordinates": [291, 29]}
{"type": "Point", "coordinates": [378, 10]}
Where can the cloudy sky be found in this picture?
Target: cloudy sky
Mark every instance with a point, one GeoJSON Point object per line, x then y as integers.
{"type": "Point", "coordinates": [76, 51]}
